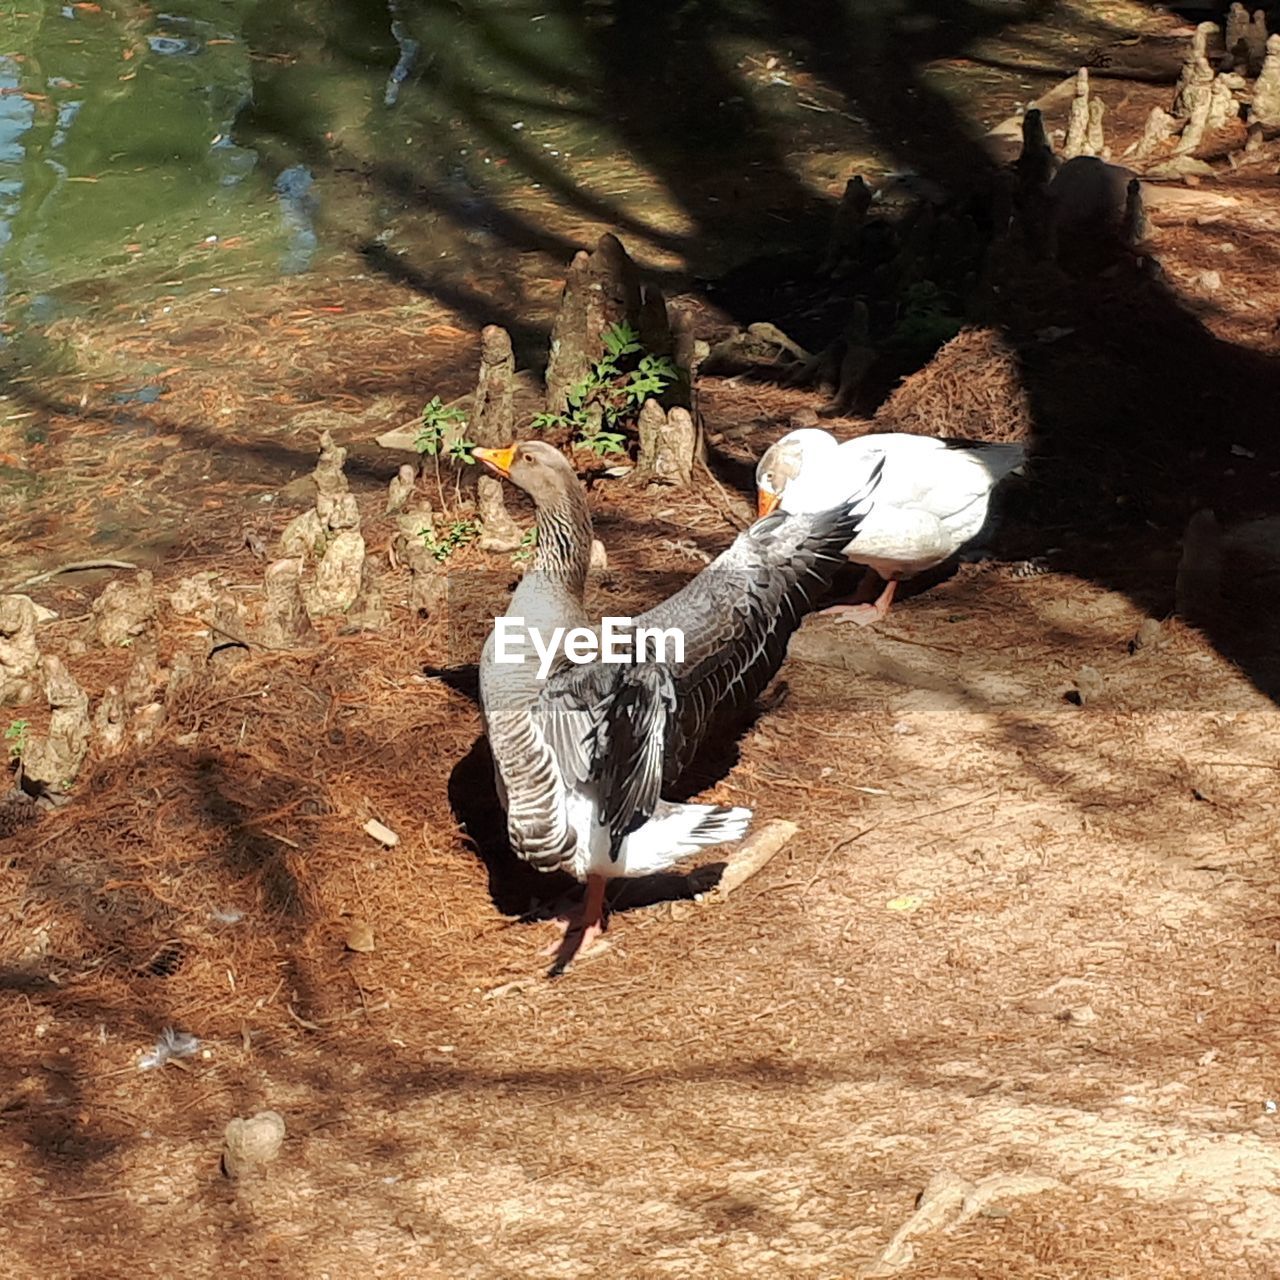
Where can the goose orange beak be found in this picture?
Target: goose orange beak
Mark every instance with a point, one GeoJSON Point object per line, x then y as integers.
{"type": "Point", "coordinates": [766, 503]}
{"type": "Point", "coordinates": [498, 460]}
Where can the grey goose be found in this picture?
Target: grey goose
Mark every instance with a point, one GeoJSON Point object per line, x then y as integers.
{"type": "Point", "coordinates": [582, 756]}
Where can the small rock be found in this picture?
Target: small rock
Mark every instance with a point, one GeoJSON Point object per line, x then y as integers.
{"type": "Point", "coordinates": [248, 1144]}
{"type": "Point", "coordinates": [1079, 1015]}
{"type": "Point", "coordinates": [1150, 633]}
{"type": "Point", "coordinates": [360, 937]}
{"type": "Point", "coordinates": [1210, 280]}
{"type": "Point", "coordinates": [1088, 687]}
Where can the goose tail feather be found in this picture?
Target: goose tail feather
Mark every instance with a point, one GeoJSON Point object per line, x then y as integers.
{"type": "Point", "coordinates": [677, 830]}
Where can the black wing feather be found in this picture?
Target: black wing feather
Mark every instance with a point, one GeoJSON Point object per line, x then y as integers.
{"type": "Point", "coordinates": [643, 722]}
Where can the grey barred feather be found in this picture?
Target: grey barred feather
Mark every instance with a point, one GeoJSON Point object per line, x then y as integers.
{"type": "Point", "coordinates": [537, 823]}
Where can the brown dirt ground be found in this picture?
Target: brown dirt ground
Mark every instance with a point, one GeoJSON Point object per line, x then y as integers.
{"type": "Point", "coordinates": [1027, 943]}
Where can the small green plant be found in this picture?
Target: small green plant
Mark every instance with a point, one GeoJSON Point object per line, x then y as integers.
{"type": "Point", "coordinates": [433, 439]}
{"type": "Point", "coordinates": [611, 394]}
{"type": "Point", "coordinates": [436, 419]}
{"type": "Point", "coordinates": [926, 318]}
{"type": "Point", "coordinates": [16, 736]}
{"type": "Point", "coordinates": [456, 534]}
{"type": "Point", "coordinates": [528, 544]}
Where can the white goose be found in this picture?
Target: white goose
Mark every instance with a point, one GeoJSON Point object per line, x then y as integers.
{"type": "Point", "coordinates": [932, 498]}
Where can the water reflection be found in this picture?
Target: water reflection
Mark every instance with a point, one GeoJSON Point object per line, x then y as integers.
{"type": "Point", "coordinates": [116, 134]}
{"type": "Point", "coordinates": [298, 207]}
{"type": "Point", "coordinates": [16, 117]}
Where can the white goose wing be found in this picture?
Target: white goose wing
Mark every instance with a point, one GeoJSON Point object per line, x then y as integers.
{"type": "Point", "coordinates": [943, 477]}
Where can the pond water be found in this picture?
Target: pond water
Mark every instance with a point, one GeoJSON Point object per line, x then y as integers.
{"type": "Point", "coordinates": [206, 138]}
{"type": "Point", "coordinates": [175, 180]}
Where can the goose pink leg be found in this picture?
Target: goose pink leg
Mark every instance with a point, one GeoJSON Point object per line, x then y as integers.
{"type": "Point", "coordinates": [581, 927]}
{"type": "Point", "coordinates": [863, 615]}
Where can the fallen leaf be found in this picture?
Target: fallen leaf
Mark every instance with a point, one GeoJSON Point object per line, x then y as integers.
{"type": "Point", "coordinates": [382, 834]}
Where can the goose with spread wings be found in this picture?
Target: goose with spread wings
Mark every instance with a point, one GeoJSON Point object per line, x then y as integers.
{"type": "Point", "coordinates": [583, 753]}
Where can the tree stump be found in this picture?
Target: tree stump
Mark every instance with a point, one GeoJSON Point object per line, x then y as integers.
{"type": "Point", "coordinates": [284, 617]}
{"type": "Point", "coordinates": [1258, 43]}
{"type": "Point", "coordinates": [1193, 102]}
{"type": "Point", "coordinates": [108, 722]}
{"type": "Point", "coordinates": [686, 356]}
{"type": "Point", "coordinates": [601, 289]}
{"type": "Point", "coordinates": [668, 445]}
{"type": "Point", "coordinates": [1036, 161]}
{"type": "Point", "coordinates": [499, 532]}
{"type": "Point", "coordinates": [53, 760]}
{"type": "Point", "coordinates": [400, 490]}
{"type": "Point", "coordinates": [1237, 36]}
{"type": "Point", "coordinates": [338, 575]}
{"type": "Point", "coordinates": [1159, 129]}
{"type": "Point", "coordinates": [1095, 139]}
{"type": "Point", "coordinates": [427, 589]}
{"type": "Point", "coordinates": [614, 294]}
{"type": "Point", "coordinates": [492, 425]}
{"type": "Point", "coordinates": [1223, 108]}
{"type": "Point", "coordinates": [855, 361]}
{"type": "Point", "coordinates": [1078, 120]}
{"type": "Point", "coordinates": [656, 335]}
{"type": "Point", "coordinates": [1198, 588]}
{"type": "Point", "coordinates": [492, 421]}
{"type": "Point", "coordinates": [144, 676]}
{"type": "Point", "coordinates": [19, 652]}
{"type": "Point", "coordinates": [846, 226]}
{"type": "Point", "coordinates": [124, 611]}
{"type": "Point", "coordinates": [570, 360]}
{"type": "Point", "coordinates": [1136, 229]}
{"type": "Point", "coordinates": [1265, 109]}
{"type": "Point", "coordinates": [368, 611]}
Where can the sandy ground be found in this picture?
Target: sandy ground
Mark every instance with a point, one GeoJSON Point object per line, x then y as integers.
{"type": "Point", "coordinates": [1002, 1008]}
{"type": "Point", "coordinates": [1019, 954]}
